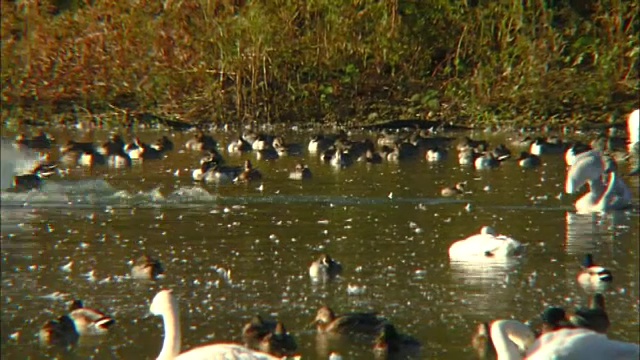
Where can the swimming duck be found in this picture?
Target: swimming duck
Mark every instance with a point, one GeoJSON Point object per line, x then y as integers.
{"type": "Point", "coordinates": [326, 321]}
{"type": "Point", "coordinates": [457, 189]}
{"type": "Point", "coordinates": [118, 158]}
{"type": "Point", "coordinates": [371, 157]}
{"type": "Point", "coordinates": [436, 154]}
{"type": "Point", "coordinates": [89, 321]}
{"type": "Point", "coordinates": [283, 148]}
{"type": "Point", "coordinates": [139, 150]}
{"type": "Point", "coordinates": [91, 158]}
{"type": "Point", "coordinates": [541, 146]}
{"type": "Point", "coordinates": [39, 142]}
{"type": "Point", "coordinates": [324, 268]}
{"type": "Point", "coordinates": [60, 332]}
{"type": "Point", "coordinates": [146, 267]}
{"type": "Point", "coordinates": [528, 160]}
{"type": "Point", "coordinates": [163, 144]}
{"type": "Point", "coordinates": [262, 142]}
{"type": "Point", "coordinates": [341, 159]}
{"type": "Point", "coordinates": [201, 142]}
{"type": "Point", "coordinates": [390, 344]}
{"type": "Point", "coordinates": [512, 338]}
{"type": "Point", "coordinates": [486, 161]}
{"type": "Point", "coordinates": [165, 304]}
{"type": "Point", "coordinates": [486, 244]}
{"type": "Point", "coordinates": [301, 172]}
{"type": "Point", "coordinates": [467, 156]}
{"type": "Point", "coordinates": [501, 152]}
{"type": "Point", "coordinates": [466, 143]}
{"type": "Point", "coordinates": [593, 276]}
{"type": "Point", "coordinates": [386, 138]}
{"type": "Point", "coordinates": [278, 342]}
{"type": "Point", "coordinates": [255, 330]}
{"type": "Point", "coordinates": [239, 146]}
{"type": "Point", "coordinates": [248, 174]}
{"type": "Point", "coordinates": [593, 317]}
{"type": "Point", "coordinates": [318, 144]}
{"type": "Point", "coordinates": [79, 147]}
{"type": "Point", "coordinates": [27, 182]}
{"type": "Point", "coordinates": [212, 172]}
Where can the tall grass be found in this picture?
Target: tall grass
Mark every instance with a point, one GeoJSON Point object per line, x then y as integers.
{"type": "Point", "coordinates": [287, 60]}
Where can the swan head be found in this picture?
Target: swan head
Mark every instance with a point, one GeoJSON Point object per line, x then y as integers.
{"type": "Point", "coordinates": [488, 230]}
{"type": "Point", "coordinates": [163, 303]}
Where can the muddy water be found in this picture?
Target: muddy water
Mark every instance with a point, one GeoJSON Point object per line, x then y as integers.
{"type": "Point", "coordinates": [386, 223]}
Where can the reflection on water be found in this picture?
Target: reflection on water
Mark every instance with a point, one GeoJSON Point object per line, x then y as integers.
{"type": "Point", "coordinates": [233, 251]}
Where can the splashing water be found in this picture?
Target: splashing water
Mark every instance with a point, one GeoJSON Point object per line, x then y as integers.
{"type": "Point", "coordinates": [14, 161]}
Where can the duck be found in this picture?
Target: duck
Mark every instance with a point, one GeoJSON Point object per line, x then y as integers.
{"type": "Point", "coordinates": [27, 182]}
{"type": "Point", "coordinates": [501, 153]}
{"type": "Point", "coordinates": [369, 323]}
{"type": "Point", "coordinates": [528, 160]}
{"type": "Point", "coordinates": [139, 150]}
{"type": "Point", "coordinates": [390, 344]}
{"type": "Point", "coordinates": [248, 174]}
{"type": "Point", "coordinates": [301, 172]}
{"type": "Point", "coordinates": [113, 144]}
{"type": "Point", "coordinates": [633, 129]}
{"type": "Point", "coordinates": [318, 144]}
{"type": "Point", "coordinates": [370, 157]}
{"type": "Point", "coordinates": [324, 268]}
{"type": "Point", "coordinates": [466, 143]}
{"type": "Point", "coordinates": [45, 167]}
{"type": "Point", "coordinates": [61, 332]}
{"type": "Point", "coordinates": [78, 147]}
{"type": "Point", "coordinates": [163, 144]}
{"type": "Point", "coordinates": [89, 321]}
{"type": "Point", "coordinates": [201, 142]}
{"type": "Point", "coordinates": [592, 276]}
{"type": "Point", "coordinates": [512, 338]}
{"type": "Point", "coordinates": [486, 244]}
{"type": "Point", "coordinates": [39, 142]}
{"type": "Point", "coordinates": [147, 268]}
{"type": "Point", "coordinates": [541, 146]}
{"type": "Point", "coordinates": [278, 342]}
{"type": "Point", "coordinates": [436, 154]}
{"type": "Point", "coordinates": [91, 158]}
{"type": "Point", "coordinates": [283, 148]}
{"type": "Point", "coordinates": [457, 189]}
{"type": "Point", "coordinates": [467, 156]}
{"type": "Point", "coordinates": [255, 330]}
{"type": "Point", "coordinates": [593, 317]}
{"type": "Point", "coordinates": [165, 304]}
{"type": "Point", "coordinates": [486, 161]}
{"type": "Point", "coordinates": [213, 172]}
{"type": "Point", "coordinates": [117, 158]}
{"type": "Point", "coordinates": [341, 159]}
{"type": "Point", "coordinates": [239, 146]}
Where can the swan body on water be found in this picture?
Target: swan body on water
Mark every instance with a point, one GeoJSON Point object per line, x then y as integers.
{"type": "Point", "coordinates": [633, 127]}
{"type": "Point", "coordinates": [590, 167]}
{"type": "Point", "coordinates": [165, 304]}
{"type": "Point", "coordinates": [485, 244]}
{"type": "Point", "coordinates": [512, 338]}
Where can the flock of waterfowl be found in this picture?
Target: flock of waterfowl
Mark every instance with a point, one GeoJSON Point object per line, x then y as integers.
{"type": "Point", "coordinates": [579, 335]}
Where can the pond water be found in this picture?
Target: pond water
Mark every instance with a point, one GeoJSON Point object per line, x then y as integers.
{"type": "Point", "coordinates": [387, 224]}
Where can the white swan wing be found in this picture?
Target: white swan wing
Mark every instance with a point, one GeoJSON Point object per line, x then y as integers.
{"type": "Point", "coordinates": [224, 352]}
{"type": "Point", "coordinates": [583, 344]}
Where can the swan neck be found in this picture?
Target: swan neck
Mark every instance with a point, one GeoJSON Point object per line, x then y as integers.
{"type": "Point", "coordinates": [505, 334]}
{"type": "Point", "coordinates": [172, 336]}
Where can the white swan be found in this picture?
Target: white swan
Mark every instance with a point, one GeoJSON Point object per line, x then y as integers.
{"type": "Point", "coordinates": [589, 167]}
{"type": "Point", "coordinates": [165, 305]}
{"type": "Point", "coordinates": [485, 244]}
{"type": "Point", "coordinates": [633, 126]}
{"type": "Point", "coordinates": [511, 338]}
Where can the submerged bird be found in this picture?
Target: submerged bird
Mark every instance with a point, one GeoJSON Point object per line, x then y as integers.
{"type": "Point", "coordinates": [146, 267]}
{"type": "Point", "coordinates": [165, 304]}
{"type": "Point", "coordinates": [326, 321]}
{"type": "Point", "coordinates": [324, 268]}
{"type": "Point", "coordinates": [60, 332]}
{"type": "Point", "coordinates": [485, 244]}
{"type": "Point", "coordinates": [593, 276]}
{"type": "Point", "coordinates": [89, 321]}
